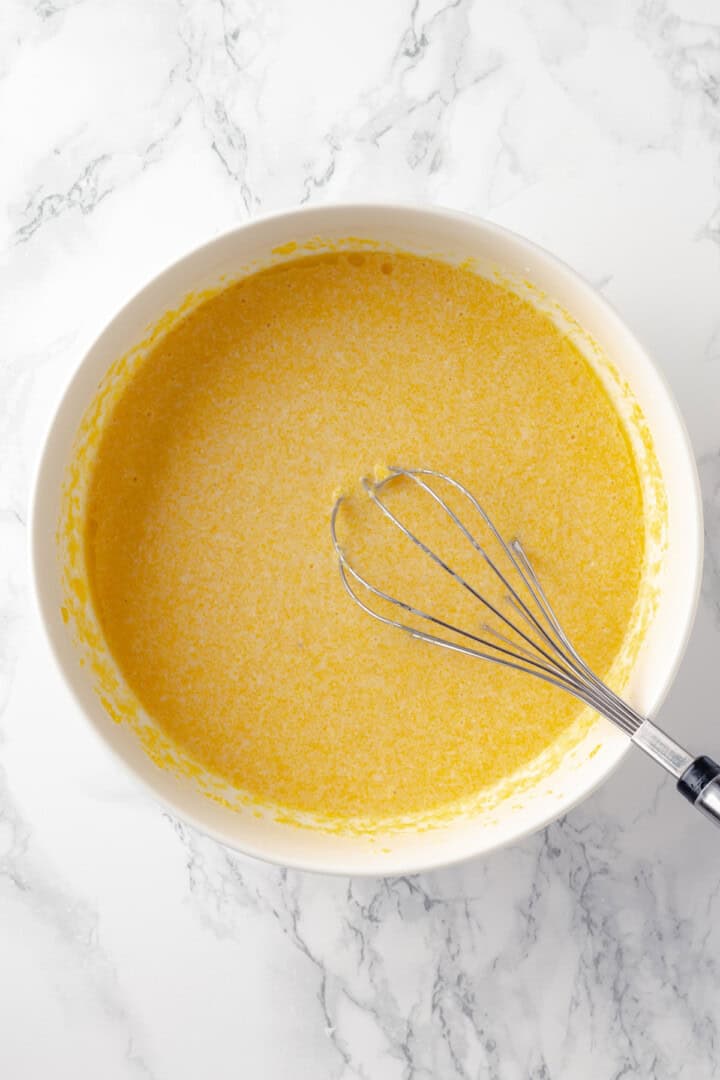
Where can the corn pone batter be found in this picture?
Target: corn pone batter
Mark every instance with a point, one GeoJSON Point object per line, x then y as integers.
{"type": "Point", "coordinates": [207, 528]}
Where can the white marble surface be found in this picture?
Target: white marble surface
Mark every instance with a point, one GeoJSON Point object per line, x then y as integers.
{"type": "Point", "coordinates": [131, 130]}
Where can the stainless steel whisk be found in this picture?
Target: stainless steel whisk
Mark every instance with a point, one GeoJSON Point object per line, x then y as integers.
{"type": "Point", "coordinates": [530, 638]}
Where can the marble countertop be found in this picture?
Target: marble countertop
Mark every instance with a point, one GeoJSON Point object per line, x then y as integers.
{"type": "Point", "coordinates": [130, 946]}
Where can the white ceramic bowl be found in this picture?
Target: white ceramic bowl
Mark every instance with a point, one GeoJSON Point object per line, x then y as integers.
{"type": "Point", "coordinates": [456, 237]}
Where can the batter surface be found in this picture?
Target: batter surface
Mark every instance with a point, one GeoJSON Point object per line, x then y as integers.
{"type": "Point", "coordinates": [207, 528]}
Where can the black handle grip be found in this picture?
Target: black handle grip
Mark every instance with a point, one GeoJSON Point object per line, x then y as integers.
{"type": "Point", "coordinates": [700, 784]}
{"type": "Point", "coordinates": [696, 778]}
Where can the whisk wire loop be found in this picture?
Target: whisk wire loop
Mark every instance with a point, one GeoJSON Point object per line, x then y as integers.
{"type": "Point", "coordinates": [552, 658]}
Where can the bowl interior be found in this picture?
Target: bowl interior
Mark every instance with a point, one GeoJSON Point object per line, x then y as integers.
{"type": "Point", "coordinates": [457, 238]}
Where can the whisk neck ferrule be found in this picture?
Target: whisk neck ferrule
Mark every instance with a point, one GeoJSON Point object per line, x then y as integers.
{"type": "Point", "coordinates": [661, 748]}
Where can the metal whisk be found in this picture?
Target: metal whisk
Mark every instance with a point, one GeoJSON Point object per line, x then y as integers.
{"type": "Point", "coordinates": [527, 635]}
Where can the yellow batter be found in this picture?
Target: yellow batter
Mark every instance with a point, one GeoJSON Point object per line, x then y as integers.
{"type": "Point", "coordinates": [207, 529]}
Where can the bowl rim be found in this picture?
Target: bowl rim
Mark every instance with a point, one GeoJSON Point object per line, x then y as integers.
{"type": "Point", "coordinates": [291, 216]}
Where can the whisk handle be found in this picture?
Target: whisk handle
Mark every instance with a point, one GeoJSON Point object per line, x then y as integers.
{"type": "Point", "coordinates": [697, 779]}
{"type": "Point", "coordinates": [700, 784]}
